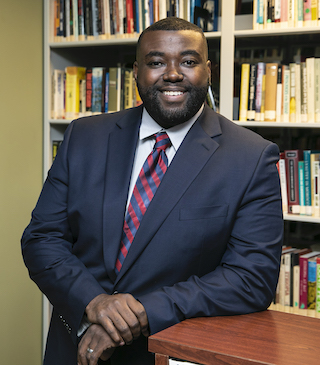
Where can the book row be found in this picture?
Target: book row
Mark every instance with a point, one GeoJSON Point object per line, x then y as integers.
{"type": "Point", "coordinates": [79, 91]}
{"type": "Point", "coordinates": [271, 14]}
{"type": "Point", "coordinates": [280, 93]}
{"type": "Point", "coordinates": [299, 172]}
{"type": "Point", "coordinates": [298, 287]}
{"type": "Point", "coordinates": [75, 20]}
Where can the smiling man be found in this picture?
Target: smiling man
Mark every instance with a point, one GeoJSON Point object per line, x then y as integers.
{"type": "Point", "coordinates": [155, 214]}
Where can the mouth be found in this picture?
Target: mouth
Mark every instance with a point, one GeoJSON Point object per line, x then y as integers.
{"type": "Point", "coordinates": [172, 93]}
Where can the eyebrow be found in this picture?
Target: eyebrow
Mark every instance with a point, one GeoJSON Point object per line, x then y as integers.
{"type": "Point", "coordinates": [183, 53]}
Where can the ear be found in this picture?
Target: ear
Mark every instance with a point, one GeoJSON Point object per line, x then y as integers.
{"type": "Point", "coordinates": [209, 70]}
{"type": "Point", "coordinates": [135, 70]}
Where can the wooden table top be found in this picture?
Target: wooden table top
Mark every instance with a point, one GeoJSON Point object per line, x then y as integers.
{"type": "Point", "coordinates": [267, 337]}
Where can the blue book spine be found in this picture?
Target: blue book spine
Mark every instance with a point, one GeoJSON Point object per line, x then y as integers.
{"type": "Point", "coordinates": [97, 73]}
{"type": "Point", "coordinates": [302, 200]}
{"type": "Point", "coordinates": [106, 98]}
{"type": "Point", "coordinates": [307, 181]}
{"type": "Point", "coordinates": [137, 17]}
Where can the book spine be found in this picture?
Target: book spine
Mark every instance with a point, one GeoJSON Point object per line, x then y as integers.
{"type": "Point", "coordinates": [292, 157]}
{"type": "Point", "coordinates": [285, 94]}
{"type": "Point", "coordinates": [318, 287]}
{"type": "Point", "coordinates": [304, 93]}
{"type": "Point", "coordinates": [303, 297]}
{"type": "Point", "coordinates": [251, 96]}
{"type": "Point", "coordinates": [292, 115]}
{"type": "Point", "coordinates": [271, 92]}
{"type": "Point", "coordinates": [307, 181]}
{"type": "Point", "coordinates": [298, 92]}
{"type": "Point", "coordinates": [302, 200]}
{"type": "Point", "coordinates": [244, 92]}
{"type": "Point", "coordinates": [89, 91]}
{"type": "Point", "coordinates": [317, 89]}
{"type": "Point", "coordinates": [279, 94]}
{"type": "Point", "coordinates": [315, 166]}
{"type": "Point", "coordinates": [310, 89]}
{"type": "Point", "coordinates": [259, 79]}
{"type": "Point", "coordinates": [283, 182]}
{"type": "Point", "coordinates": [312, 278]}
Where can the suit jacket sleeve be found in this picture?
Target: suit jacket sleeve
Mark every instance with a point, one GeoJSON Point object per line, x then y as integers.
{"type": "Point", "coordinates": [246, 278]}
{"type": "Point", "coordinates": [48, 244]}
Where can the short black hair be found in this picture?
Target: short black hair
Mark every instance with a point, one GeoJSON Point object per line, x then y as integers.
{"type": "Point", "coordinates": [171, 24]}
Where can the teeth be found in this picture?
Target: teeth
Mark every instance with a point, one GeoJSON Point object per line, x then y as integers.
{"type": "Point", "coordinates": [173, 93]}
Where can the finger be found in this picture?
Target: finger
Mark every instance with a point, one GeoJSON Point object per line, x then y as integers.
{"type": "Point", "coordinates": [138, 309]}
{"type": "Point", "coordinates": [108, 324]}
{"type": "Point", "coordinates": [82, 350]}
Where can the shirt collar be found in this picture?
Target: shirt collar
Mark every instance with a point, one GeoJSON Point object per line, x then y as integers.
{"type": "Point", "coordinates": [176, 134]}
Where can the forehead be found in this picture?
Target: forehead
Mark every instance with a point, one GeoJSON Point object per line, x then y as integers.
{"type": "Point", "coordinates": [172, 42]}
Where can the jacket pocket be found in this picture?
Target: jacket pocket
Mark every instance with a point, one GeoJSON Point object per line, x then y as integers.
{"type": "Point", "coordinates": [214, 211]}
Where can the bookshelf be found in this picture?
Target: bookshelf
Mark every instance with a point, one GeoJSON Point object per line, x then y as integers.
{"type": "Point", "coordinates": [234, 32]}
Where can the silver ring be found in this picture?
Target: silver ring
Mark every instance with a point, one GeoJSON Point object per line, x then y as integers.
{"type": "Point", "coordinates": [89, 350]}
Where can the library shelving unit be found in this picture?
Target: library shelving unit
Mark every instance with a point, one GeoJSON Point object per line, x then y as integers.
{"type": "Point", "coordinates": [233, 32]}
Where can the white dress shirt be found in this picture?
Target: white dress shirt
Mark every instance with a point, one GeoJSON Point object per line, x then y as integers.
{"type": "Point", "coordinates": [145, 144]}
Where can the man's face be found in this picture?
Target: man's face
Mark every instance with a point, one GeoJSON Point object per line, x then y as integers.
{"type": "Point", "coordinates": [172, 73]}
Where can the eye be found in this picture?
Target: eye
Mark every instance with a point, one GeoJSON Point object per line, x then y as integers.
{"type": "Point", "coordinates": [189, 63]}
{"type": "Point", "coordinates": [155, 64]}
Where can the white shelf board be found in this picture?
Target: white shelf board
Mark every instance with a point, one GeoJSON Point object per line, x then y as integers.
{"type": "Point", "coordinates": [301, 218]}
{"type": "Point", "coordinates": [277, 124]}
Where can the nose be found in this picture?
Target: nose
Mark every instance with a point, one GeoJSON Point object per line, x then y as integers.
{"type": "Point", "coordinates": [173, 73]}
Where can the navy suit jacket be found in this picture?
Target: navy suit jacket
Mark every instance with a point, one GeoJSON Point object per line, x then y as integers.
{"type": "Point", "coordinates": [208, 245]}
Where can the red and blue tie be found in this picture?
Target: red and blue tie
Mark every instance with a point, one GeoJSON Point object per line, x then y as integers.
{"type": "Point", "coordinates": [147, 183]}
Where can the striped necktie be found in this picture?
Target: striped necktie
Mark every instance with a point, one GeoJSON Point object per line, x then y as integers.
{"type": "Point", "coordinates": [147, 183]}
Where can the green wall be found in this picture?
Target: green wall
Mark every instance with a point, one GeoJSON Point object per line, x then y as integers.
{"type": "Point", "coordinates": [20, 174]}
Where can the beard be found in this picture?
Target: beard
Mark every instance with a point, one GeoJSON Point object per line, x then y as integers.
{"type": "Point", "coordinates": [169, 117]}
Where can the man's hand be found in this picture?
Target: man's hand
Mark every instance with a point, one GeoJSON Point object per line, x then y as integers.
{"type": "Point", "coordinates": [99, 342]}
{"type": "Point", "coordinates": [121, 315]}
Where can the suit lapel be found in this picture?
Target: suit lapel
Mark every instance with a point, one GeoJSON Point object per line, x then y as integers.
{"type": "Point", "coordinates": [197, 147]}
{"type": "Point", "coordinates": [120, 155]}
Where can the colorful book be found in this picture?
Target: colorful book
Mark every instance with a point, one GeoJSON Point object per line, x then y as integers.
{"type": "Point", "coordinates": [261, 69]}
{"type": "Point", "coordinates": [73, 76]}
{"type": "Point", "coordinates": [271, 92]}
{"type": "Point", "coordinates": [303, 262]}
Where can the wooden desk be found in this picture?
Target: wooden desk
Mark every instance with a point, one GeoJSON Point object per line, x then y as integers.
{"type": "Point", "coordinates": [267, 337]}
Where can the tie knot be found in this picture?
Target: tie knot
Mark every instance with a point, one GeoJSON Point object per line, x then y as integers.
{"type": "Point", "coordinates": [162, 141]}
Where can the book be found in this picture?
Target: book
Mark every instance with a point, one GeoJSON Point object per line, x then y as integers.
{"type": "Point", "coordinates": [261, 69]}
{"type": "Point", "coordinates": [292, 158]}
{"type": "Point", "coordinates": [244, 92]}
{"type": "Point", "coordinates": [312, 282]}
{"type": "Point", "coordinates": [279, 94]}
{"type": "Point", "coordinates": [89, 91]}
{"type": "Point", "coordinates": [302, 198]}
{"type": "Point", "coordinates": [304, 93]}
{"type": "Point", "coordinates": [283, 182]}
{"type": "Point", "coordinates": [317, 87]}
{"type": "Point", "coordinates": [318, 288]}
{"type": "Point", "coordinates": [251, 112]}
{"type": "Point", "coordinates": [303, 262]}
{"type": "Point", "coordinates": [206, 15]}
{"type": "Point", "coordinates": [57, 94]}
{"type": "Point", "coordinates": [285, 93]}
{"type": "Point", "coordinates": [298, 92]}
{"type": "Point", "coordinates": [310, 89]}
{"type": "Point", "coordinates": [292, 108]}
{"type": "Point", "coordinates": [307, 180]}
{"type": "Point", "coordinates": [307, 13]}
{"type": "Point", "coordinates": [113, 90]}
{"type": "Point", "coordinates": [314, 177]}
{"type": "Point", "coordinates": [73, 76]}
{"type": "Point", "coordinates": [98, 90]}
{"type": "Point", "coordinates": [271, 92]}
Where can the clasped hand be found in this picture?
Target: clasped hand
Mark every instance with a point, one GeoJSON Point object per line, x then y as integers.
{"type": "Point", "coordinates": [116, 320]}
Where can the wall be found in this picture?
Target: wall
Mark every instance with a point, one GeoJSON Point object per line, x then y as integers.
{"type": "Point", "coordinates": [20, 174]}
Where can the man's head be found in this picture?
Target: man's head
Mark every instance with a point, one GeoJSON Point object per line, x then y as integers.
{"type": "Point", "coordinates": [172, 70]}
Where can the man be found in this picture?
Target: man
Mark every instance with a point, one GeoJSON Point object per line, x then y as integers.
{"type": "Point", "coordinates": [118, 261]}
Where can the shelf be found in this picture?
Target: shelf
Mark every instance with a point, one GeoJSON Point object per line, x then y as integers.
{"type": "Point", "coordinates": [301, 218]}
{"type": "Point", "coordinates": [277, 124]}
{"type": "Point", "coordinates": [276, 32]}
